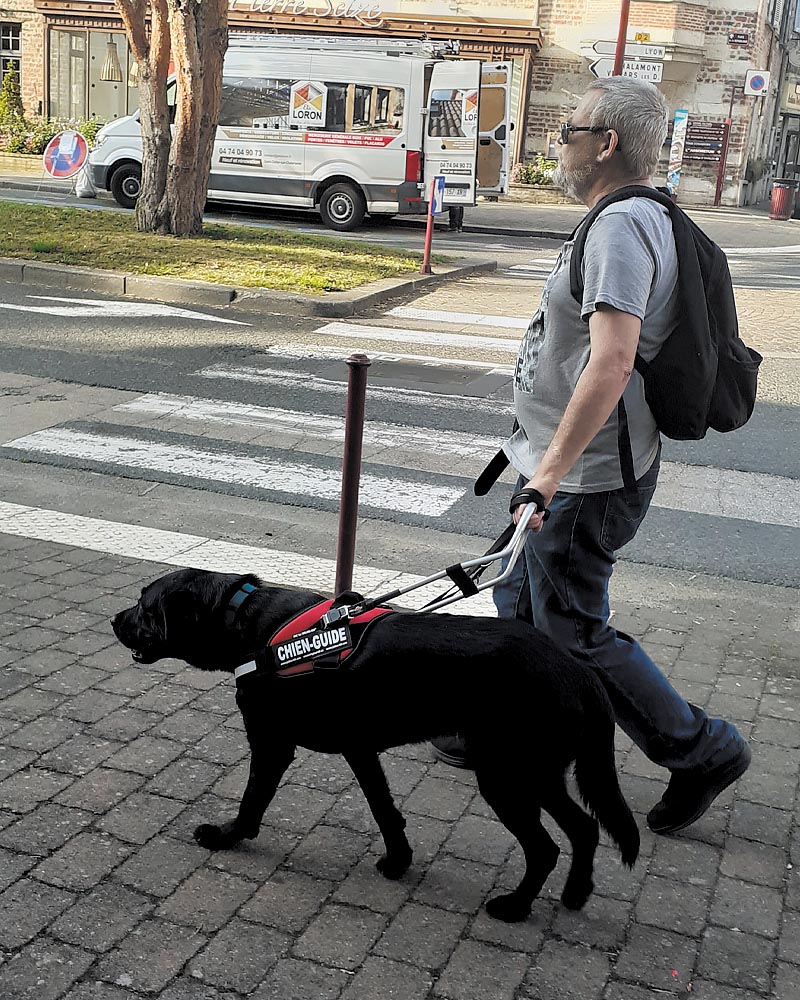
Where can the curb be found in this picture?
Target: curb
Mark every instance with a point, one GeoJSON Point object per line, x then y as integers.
{"type": "Point", "coordinates": [33, 185]}
{"type": "Point", "coordinates": [184, 292]}
{"type": "Point", "coordinates": [542, 234]}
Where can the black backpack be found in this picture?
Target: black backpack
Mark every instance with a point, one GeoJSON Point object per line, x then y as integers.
{"type": "Point", "coordinates": [704, 376]}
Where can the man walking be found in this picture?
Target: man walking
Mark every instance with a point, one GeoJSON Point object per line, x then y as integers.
{"type": "Point", "coordinates": [575, 362]}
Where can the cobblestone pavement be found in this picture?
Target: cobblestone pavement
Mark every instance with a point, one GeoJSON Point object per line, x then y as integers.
{"type": "Point", "coordinates": [108, 766]}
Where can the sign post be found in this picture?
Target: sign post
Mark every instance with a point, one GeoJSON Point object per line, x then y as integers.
{"type": "Point", "coordinates": [619, 55]}
{"type": "Point", "coordinates": [435, 207]}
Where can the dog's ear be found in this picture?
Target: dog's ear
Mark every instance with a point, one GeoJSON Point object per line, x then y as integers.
{"type": "Point", "coordinates": [179, 612]}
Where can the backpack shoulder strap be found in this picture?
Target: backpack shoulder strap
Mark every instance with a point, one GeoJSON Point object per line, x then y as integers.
{"type": "Point", "coordinates": [582, 230]}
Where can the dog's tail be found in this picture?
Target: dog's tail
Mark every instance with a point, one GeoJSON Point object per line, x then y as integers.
{"type": "Point", "coordinates": [596, 776]}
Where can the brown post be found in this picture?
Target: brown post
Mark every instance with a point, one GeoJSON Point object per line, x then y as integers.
{"type": "Point", "coordinates": [723, 153]}
{"type": "Point", "coordinates": [351, 470]}
{"type": "Point", "coordinates": [619, 56]}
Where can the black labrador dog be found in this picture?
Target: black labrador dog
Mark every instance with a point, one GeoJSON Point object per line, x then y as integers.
{"type": "Point", "coordinates": [526, 710]}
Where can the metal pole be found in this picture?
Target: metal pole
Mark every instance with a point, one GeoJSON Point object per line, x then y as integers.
{"type": "Point", "coordinates": [723, 153]}
{"type": "Point", "coordinates": [351, 470]}
{"type": "Point", "coordinates": [619, 55]}
{"type": "Point", "coordinates": [425, 266]}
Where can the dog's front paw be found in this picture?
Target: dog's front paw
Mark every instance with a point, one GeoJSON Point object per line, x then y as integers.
{"type": "Point", "coordinates": [217, 838]}
{"type": "Point", "coordinates": [511, 909]}
{"type": "Point", "coordinates": [394, 864]}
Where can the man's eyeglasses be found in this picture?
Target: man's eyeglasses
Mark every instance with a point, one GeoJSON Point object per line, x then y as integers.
{"type": "Point", "coordinates": [566, 128]}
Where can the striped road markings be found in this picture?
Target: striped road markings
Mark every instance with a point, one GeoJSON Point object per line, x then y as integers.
{"type": "Point", "coordinates": [180, 452]}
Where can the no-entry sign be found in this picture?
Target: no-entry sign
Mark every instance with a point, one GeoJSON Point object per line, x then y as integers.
{"type": "Point", "coordinates": [66, 153]}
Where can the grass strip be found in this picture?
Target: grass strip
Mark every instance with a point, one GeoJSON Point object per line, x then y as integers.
{"type": "Point", "coordinates": [242, 256]}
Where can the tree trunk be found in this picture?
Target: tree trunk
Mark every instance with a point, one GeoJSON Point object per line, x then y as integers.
{"type": "Point", "coordinates": [154, 120]}
{"type": "Point", "coordinates": [176, 162]}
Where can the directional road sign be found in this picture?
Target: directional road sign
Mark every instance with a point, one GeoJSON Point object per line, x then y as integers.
{"type": "Point", "coordinates": [635, 68]}
{"type": "Point", "coordinates": [633, 50]}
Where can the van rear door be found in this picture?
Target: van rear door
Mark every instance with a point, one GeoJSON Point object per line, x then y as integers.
{"type": "Point", "coordinates": [451, 136]}
{"type": "Point", "coordinates": [494, 128]}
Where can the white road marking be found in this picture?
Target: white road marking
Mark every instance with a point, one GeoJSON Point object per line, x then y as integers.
{"type": "Point", "coordinates": [399, 336]}
{"type": "Point", "coordinates": [114, 309]}
{"type": "Point", "coordinates": [758, 498]}
{"type": "Point", "coordinates": [390, 493]}
{"type": "Point", "coordinates": [303, 352]}
{"type": "Point", "coordinates": [300, 380]}
{"type": "Point", "coordinates": [470, 319]}
{"type": "Point", "coordinates": [318, 426]}
{"type": "Point", "coordinates": [746, 496]}
{"type": "Point", "coordinates": [174, 548]}
{"type": "Point", "coordinates": [761, 251]}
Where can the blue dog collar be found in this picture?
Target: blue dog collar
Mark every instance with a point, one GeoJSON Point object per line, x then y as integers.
{"type": "Point", "coordinates": [237, 601]}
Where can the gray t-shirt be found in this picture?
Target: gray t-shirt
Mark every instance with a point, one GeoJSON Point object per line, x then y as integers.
{"type": "Point", "coordinates": [630, 264]}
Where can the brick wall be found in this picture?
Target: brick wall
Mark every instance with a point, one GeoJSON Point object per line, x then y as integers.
{"type": "Point", "coordinates": [701, 83]}
{"type": "Point", "coordinates": [32, 50]}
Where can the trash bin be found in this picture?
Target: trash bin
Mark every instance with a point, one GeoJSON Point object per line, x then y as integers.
{"type": "Point", "coordinates": [781, 203]}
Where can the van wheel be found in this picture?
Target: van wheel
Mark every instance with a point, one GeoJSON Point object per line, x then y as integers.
{"type": "Point", "coordinates": [342, 207]}
{"type": "Point", "coordinates": [126, 183]}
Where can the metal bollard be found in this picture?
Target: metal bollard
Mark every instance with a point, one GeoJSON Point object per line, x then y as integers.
{"type": "Point", "coordinates": [351, 470]}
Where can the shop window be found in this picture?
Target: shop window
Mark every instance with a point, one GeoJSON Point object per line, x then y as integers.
{"type": "Point", "coordinates": [77, 91]}
{"type": "Point", "coordinates": [10, 47]}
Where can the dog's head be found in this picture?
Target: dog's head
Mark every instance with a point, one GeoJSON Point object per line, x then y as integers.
{"type": "Point", "coordinates": [182, 615]}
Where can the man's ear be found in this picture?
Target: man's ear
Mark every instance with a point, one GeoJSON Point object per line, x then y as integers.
{"type": "Point", "coordinates": [611, 145]}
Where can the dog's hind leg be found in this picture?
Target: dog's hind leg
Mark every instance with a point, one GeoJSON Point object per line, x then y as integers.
{"type": "Point", "coordinates": [369, 774]}
{"type": "Point", "coordinates": [509, 796]}
{"type": "Point", "coordinates": [583, 832]}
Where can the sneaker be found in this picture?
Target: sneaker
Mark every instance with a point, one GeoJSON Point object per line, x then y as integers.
{"type": "Point", "coordinates": [451, 750]}
{"type": "Point", "coordinates": [690, 793]}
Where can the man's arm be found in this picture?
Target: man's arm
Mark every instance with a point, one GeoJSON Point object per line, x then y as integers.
{"type": "Point", "coordinates": [614, 337]}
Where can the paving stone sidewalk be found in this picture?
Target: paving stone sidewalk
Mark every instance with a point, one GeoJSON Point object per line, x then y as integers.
{"type": "Point", "coordinates": [106, 768]}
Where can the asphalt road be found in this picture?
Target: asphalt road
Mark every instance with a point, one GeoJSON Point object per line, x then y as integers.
{"type": "Point", "coordinates": [230, 415]}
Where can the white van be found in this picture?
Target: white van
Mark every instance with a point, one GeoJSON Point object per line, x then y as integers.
{"type": "Point", "coordinates": [342, 127]}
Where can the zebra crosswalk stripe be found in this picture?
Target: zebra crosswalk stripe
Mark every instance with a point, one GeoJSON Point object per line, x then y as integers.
{"type": "Point", "coordinates": [392, 493]}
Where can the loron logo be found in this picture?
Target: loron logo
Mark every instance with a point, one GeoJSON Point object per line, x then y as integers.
{"type": "Point", "coordinates": [308, 103]}
{"type": "Point", "coordinates": [469, 109]}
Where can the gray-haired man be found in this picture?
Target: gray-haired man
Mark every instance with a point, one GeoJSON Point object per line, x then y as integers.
{"type": "Point", "coordinates": [574, 363]}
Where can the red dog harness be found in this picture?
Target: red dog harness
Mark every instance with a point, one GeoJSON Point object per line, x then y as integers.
{"type": "Point", "coordinates": [302, 645]}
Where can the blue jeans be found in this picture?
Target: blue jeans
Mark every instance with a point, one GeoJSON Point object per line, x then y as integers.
{"type": "Point", "coordinates": [560, 584]}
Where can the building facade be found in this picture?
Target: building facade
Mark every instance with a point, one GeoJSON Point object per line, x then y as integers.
{"type": "Point", "coordinates": [708, 47]}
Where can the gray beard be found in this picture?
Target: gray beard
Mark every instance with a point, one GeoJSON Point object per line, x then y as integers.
{"type": "Point", "coordinates": [574, 183]}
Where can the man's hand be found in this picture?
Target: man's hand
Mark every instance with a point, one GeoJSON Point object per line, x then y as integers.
{"type": "Point", "coordinates": [547, 487]}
